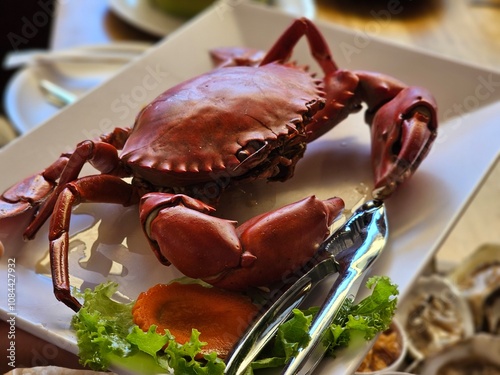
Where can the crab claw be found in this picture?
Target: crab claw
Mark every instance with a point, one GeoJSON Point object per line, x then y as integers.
{"type": "Point", "coordinates": [181, 233]}
{"type": "Point", "coordinates": [259, 252]}
{"type": "Point", "coordinates": [282, 241]}
{"type": "Point", "coordinates": [403, 131]}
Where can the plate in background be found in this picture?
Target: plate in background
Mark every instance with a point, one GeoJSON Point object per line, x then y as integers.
{"type": "Point", "coordinates": [143, 15]}
{"type": "Point", "coordinates": [24, 103]}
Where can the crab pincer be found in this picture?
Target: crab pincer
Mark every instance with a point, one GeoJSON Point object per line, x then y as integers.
{"type": "Point", "coordinates": [261, 251]}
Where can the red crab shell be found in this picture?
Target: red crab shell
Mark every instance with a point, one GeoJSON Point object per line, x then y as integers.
{"type": "Point", "coordinates": [199, 127]}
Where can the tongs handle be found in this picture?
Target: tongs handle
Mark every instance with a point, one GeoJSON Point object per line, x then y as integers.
{"type": "Point", "coordinates": [266, 326]}
{"type": "Point", "coordinates": [309, 357]}
{"type": "Point", "coordinates": [353, 263]}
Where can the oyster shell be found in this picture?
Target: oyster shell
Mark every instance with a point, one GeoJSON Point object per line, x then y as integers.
{"type": "Point", "coordinates": [478, 279]}
{"type": "Point", "coordinates": [478, 355]}
{"type": "Point", "coordinates": [491, 313]}
{"type": "Point", "coordinates": [435, 316]}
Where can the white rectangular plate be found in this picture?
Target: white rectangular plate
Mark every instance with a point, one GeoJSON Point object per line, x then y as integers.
{"type": "Point", "coordinates": [420, 214]}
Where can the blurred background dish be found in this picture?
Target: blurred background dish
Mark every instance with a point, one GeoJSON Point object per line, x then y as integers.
{"type": "Point", "coordinates": [76, 71]}
{"type": "Point", "coordinates": [478, 280]}
{"type": "Point", "coordinates": [434, 315]}
{"type": "Point", "coordinates": [145, 14]}
{"type": "Point", "coordinates": [478, 355]}
{"type": "Point", "coordinates": [182, 9]}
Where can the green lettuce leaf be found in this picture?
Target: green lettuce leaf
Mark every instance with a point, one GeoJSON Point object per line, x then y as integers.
{"type": "Point", "coordinates": [107, 336]}
{"type": "Point", "coordinates": [370, 316]}
{"type": "Point", "coordinates": [102, 327]}
{"type": "Point", "coordinates": [149, 342]}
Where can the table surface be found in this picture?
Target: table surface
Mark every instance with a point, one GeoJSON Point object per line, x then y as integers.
{"type": "Point", "coordinates": [467, 30]}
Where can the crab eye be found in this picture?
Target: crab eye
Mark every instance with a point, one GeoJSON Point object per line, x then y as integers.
{"type": "Point", "coordinates": [250, 149]}
{"type": "Point", "coordinates": [242, 154]}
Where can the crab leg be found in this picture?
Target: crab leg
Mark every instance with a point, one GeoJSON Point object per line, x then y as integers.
{"type": "Point", "coordinates": [31, 191]}
{"type": "Point", "coordinates": [34, 190]}
{"type": "Point", "coordinates": [223, 57]}
{"type": "Point", "coordinates": [99, 189]}
{"type": "Point", "coordinates": [261, 251]}
{"type": "Point", "coordinates": [102, 154]}
{"type": "Point", "coordinates": [282, 49]}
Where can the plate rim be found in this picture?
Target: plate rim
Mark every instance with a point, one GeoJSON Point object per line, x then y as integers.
{"type": "Point", "coordinates": [128, 12]}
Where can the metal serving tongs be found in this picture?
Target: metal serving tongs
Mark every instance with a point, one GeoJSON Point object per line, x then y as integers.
{"type": "Point", "coordinates": [350, 251]}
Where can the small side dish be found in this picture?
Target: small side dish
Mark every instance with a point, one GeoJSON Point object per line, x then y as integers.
{"type": "Point", "coordinates": [387, 352]}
